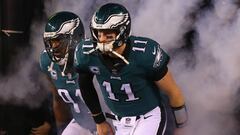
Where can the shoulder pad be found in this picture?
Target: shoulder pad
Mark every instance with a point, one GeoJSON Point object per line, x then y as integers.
{"type": "Point", "coordinates": [44, 61]}
{"type": "Point", "coordinates": [80, 57]}
{"type": "Point", "coordinates": [148, 52]}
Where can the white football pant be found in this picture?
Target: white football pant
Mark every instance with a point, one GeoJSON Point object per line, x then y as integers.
{"type": "Point", "coordinates": [152, 123]}
{"type": "Point", "coordinates": [73, 128]}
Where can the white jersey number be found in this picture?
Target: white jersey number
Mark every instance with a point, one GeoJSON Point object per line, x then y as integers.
{"type": "Point", "coordinates": [125, 87]}
{"type": "Point", "coordinates": [138, 48]}
{"type": "Point", "coordinates": [67, 98]}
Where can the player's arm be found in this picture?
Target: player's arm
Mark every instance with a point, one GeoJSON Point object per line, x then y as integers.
{"type": "Point", "coordinates": [89, 93]}
{"type": "Point", "coordinates": [41, 130]}
{"type": "Point", "coordinates": [91, 99]}
{"type": "Point", "coordinates": [46, 126]}
{"type": "Point", "coordinates": [158, 71]}
{"type": "Point", "coordinates": [87, 89]}
{"type": "Point", "coordinates": [168, 85]}
{"type": "Point", "coordinates": [90, 96]}
{"type": "Point", "coordinates": [61, 110]}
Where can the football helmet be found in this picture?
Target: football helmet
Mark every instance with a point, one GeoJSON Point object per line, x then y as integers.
{"type": "Point", "coordinates": [114, 17]}
{"type": "Point", "coordinates": [63, 31]}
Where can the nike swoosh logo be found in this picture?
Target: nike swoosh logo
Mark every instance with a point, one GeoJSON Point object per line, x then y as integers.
{"type": "Point", "coordinates": [145, 117]}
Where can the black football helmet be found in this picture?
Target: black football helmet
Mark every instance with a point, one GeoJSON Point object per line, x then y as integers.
{"type": "Point", "coordinates": [66, 29]}
{"type": "Point", "coordinates": [111, 16]}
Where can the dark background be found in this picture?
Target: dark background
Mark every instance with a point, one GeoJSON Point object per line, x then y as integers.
{"type": "Point", "coordinates": [17, 15]}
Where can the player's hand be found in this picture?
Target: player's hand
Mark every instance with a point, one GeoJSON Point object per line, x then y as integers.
{"type": "Point", "coordinates": [41, 130]}
{"type": "Point", "coordinates": [104, 128]}
{"type": "Point", "coordinates": [179, 131]}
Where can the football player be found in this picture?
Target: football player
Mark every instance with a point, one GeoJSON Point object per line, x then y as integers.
{"type": "Point", "coordinates": [63, 31]}
{"type": "Point", "coordinates": [130, 70]}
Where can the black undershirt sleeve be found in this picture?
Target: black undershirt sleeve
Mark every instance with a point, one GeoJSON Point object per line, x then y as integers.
{"type": "Point", "coordinates": [90, 96]}
{"type": "Point", "coordinates": [160, 74]}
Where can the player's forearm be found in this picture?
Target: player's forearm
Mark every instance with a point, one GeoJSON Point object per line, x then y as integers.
{"type": "Point", "coordinates": [179, 109]}
{"type": "Point", "coordinates": [90, 96]}
{"type": "Point", "coordinates": [169, 86]}
{"type": "Point", "coordinates": [61, 112]}
{"type": "Point", "coordinates": [176, 98]}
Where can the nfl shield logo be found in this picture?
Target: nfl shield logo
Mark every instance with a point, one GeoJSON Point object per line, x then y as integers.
{"type": "Point", "coordinates": [128, 120]}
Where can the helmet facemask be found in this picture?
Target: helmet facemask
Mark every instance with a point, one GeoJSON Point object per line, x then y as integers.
{"type": "Point", "coordinates": [58, 48]}
{"type": "Point", "coordinates": [108, 46]}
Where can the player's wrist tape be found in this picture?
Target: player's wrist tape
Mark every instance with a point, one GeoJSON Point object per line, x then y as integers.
{"type": "Point", "coordinates": [180, 115]}
{"type": "Point", "coordinates": [99, 118]}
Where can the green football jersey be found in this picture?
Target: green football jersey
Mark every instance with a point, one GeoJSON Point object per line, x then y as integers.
{"type": "Point", "coordinates": [68, 88]}
{"type": "Point", "coordinates": [131, 90]}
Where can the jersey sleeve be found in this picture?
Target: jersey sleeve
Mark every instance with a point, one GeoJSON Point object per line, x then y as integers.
{"type": "Point", "coordinates": [80, 59]}
{"type": "Point", "coordinates": [159, 65]}
{"type": "Point", "coordinates": [44, 62]}
{"type": "Point", "coordinates": [155, 61]}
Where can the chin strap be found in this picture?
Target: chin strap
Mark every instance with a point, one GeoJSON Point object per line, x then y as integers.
{"type": "Point", "coordinates": [64, 68]}
{"type": "Point", "coordinates": [65, 61]}
{"type": "Point", "coordinates": [51, 67]}
{"type": "Point", "coordinates": [101, 48]}
{"type": "Point", "coordinates": [120, 56]}
{"type": "Point", "coordinates": [62, 62]}
{"type": "Point", "coordinates": [91, 51]}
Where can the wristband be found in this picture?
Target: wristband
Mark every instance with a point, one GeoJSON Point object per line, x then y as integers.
{"type": "Point", "coordinates": [180, 115]}
{"type": "Point", "coordinates": [99, 118]}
